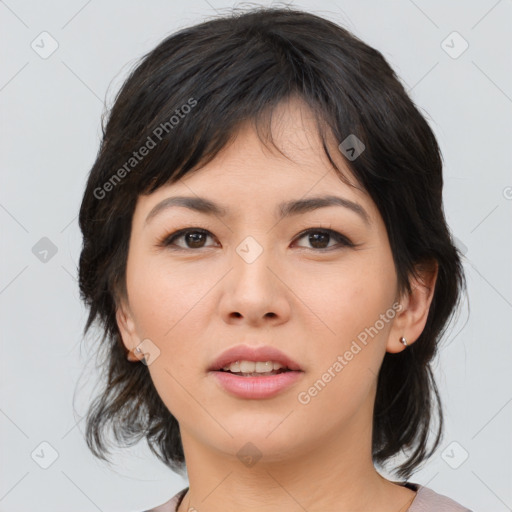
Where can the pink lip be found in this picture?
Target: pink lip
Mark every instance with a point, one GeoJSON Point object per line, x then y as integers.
{"type": "Point", "coordinates": [246, 353]}
{"type": "Point", "coordinates": [260, 386]}
{"type": "Point", "coordinates": [256, 387]}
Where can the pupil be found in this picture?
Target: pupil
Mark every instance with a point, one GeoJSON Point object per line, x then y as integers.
{"type": "Point", "coordinates": [317, 239]}
{"type": "Point", "coordinates": [194, 239]}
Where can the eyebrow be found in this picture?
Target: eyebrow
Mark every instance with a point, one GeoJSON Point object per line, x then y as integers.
{"type": "Point", "coordinates": [285, 209]}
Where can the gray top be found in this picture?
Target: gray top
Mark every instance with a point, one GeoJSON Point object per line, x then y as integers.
{"type": "Point", "coordinates": [426, 500]}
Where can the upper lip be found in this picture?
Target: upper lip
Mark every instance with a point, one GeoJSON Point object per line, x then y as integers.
{"type": "Point", "coordinates": [247, 353]}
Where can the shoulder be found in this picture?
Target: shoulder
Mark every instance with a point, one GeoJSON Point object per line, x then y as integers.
{"type": "Point", "coordinates": [427, 500]}
{"type": "Point", "coordinates": [172, 504]}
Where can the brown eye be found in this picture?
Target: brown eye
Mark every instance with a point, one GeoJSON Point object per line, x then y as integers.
{"type": "Point", "coordinates": [193, 238]}
{"type": "Point", "coordinates": [321, 238]}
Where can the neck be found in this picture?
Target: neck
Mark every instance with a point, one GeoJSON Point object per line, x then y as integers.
{"type": "Point", "coordinates": [332, 474]}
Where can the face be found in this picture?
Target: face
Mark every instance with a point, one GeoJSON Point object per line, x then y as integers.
{"type": "Point", "coordinates": [317, 284]}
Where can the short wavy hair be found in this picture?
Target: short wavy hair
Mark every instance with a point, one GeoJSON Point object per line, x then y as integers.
{"type": "Point", "coordinates": [189, 96]}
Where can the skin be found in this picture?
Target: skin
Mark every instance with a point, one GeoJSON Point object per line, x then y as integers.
{"type": "Point", "coordinates": [193, 303]}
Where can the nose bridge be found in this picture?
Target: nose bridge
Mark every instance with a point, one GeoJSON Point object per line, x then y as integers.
{"type": "Point", "coordinates": [251, 261]}
{"type": "Point", "coordinates": [253, 290]}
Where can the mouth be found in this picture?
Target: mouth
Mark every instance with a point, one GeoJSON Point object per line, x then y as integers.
{"type": "Point", "coordinates": [246, 360]}
{"type": "Point", "coordinates": [255, 368]}
{"type": "Point", "coordinates": [255, 373]}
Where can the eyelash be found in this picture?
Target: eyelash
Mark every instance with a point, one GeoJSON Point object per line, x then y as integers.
{"type": "Point", "coordinates": [168, 240]}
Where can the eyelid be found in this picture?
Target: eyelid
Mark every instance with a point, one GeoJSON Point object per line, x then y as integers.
{"type": "Point", "coordinates": [343, 240]}
{"type": "Point", "coordinates": [165, 241]}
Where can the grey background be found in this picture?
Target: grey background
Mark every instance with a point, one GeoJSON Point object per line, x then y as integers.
{"type": "Point", "coordinates": [51, 109]}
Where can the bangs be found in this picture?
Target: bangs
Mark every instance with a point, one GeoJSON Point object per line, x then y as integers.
{"type": "Point", "coordinates": [184, 114]}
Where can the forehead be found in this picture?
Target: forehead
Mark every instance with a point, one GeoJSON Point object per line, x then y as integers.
{"type": "Point", "coordinates": [292, 134]}
{"type": "Point", "coordinates": [250, 172]}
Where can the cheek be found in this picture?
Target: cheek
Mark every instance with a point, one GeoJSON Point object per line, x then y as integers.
{"type": "Point", "coordinates": [169, 305]}
{"type": "Point", "coordinates": [166, 304]}
{"type": "Point", "coordinates": [352, 298]}
{"type": "Point", "coordinates": [162, 297]}
{"type": "Point", "coordinates": [345, 362]}
{"type": "Point", "coordinates": [355, 306]}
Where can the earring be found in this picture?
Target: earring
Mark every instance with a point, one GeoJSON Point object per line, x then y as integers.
{"type": "Point", "coordinates": [132, 352]}
{"type": "Point", "coordinates": [403, 341]}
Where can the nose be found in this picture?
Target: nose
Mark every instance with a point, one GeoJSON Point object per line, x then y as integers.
{"type": "Point", "coordinates": [255, 292]}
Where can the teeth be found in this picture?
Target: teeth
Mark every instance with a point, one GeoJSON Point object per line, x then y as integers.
{"type": "Point", "coordinates": [253, 367]}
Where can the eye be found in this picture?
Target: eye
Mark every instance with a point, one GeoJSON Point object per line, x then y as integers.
{"type": "Point", "coordinates": [321, 238]}
{"type": "Point", "coordinates": [193, 238]}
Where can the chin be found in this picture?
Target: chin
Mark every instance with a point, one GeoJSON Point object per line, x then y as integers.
{"type": "Point", "coordinates": [254, 447]}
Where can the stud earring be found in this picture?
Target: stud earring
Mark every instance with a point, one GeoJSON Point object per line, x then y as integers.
{"type": "Point", "coordinates": [403, 341]}
{"type": "Point", "coordinates": [132, 353]}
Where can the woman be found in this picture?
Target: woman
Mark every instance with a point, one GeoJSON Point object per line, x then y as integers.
{"type": "Point", "coordinates": [266, 250]}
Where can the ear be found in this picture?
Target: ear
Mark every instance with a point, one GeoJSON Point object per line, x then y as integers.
{"type": "Point", "coordinates": [126, 325]}
{"type": "Point", "coordinates": [412, 317]}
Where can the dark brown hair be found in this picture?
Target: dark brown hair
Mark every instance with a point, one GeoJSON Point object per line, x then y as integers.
{"type": "Point", "coordinates": [184, 102]}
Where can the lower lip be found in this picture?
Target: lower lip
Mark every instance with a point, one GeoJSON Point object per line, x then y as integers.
{"type": "Point", "coordinates": [257, 387]}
